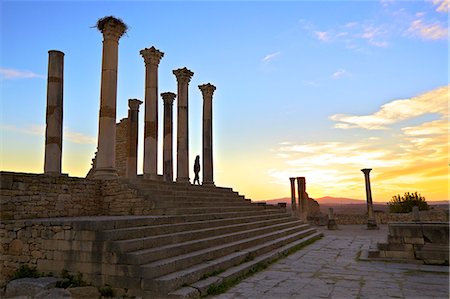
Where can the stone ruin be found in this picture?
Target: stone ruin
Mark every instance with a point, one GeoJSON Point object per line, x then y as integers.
{"type": "Point", "coordinates": [153, 236]}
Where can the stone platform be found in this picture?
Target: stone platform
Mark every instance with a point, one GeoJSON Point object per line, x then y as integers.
{"type": "Point", "coordinates": [330, 268]}
{"type": "Point", "coordinates": [184, 239]}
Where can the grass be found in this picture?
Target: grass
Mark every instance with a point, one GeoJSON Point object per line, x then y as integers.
{"type": "Point", "coordinates": [228, 283]}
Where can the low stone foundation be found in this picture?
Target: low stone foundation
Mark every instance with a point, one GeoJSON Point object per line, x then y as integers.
{"type": "Point", "coordinates": [29, 196]}
{"type": "Point", "coordinates": [433, 215]}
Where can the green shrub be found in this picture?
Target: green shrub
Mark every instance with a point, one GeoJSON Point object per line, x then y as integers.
{"type": "Point", "coordinates": [106, 291]}
{"type": "Point", "coordinates": [404, 204]}
{"type": "Point", "coordinates": [25, 271]}
{"type": "Point", "coordinates": [71, 281]}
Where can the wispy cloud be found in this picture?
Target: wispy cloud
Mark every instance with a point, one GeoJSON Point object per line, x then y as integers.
{"type": "Point", "coordinates": [323, 36]}
{"type": "Point", "coordinates": [434, 31]}
{"type": "Point", "coordinates": [8, 74]}
{"type": "Point", "coordinates": [270, 57]}
{"type": "Point", "coordinates": [435, 101]}
{"type": "Point", "coordinates": [39, 130]}
{"type": "Point", "coordinates": [339, 74]}
{"type": "Point", "coordinates": [442, 5]}
{"type": "Point", "coordinates": [412, 158]}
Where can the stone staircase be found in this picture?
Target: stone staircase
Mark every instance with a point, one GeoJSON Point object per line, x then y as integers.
{"type": "Point", "coordinates": [196, 237]}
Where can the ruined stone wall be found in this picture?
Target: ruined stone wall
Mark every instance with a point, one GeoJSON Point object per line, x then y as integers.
{"type": "Point", "coordinates": [23, 242]}
{"type": "Point", "coordinates": [25, 196]}
{"type": "Point", "coordinates": [28, 196]}
{"type": "Point", "coordinates": [433, 215]}
{"type": "Point", "coordinates": [121, 146]}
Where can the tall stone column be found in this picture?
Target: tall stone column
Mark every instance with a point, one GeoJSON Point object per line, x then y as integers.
{"type": "Point", "coordinates": [152, 57]}
{"type": "Point", "coordinates": [208, 173]}
{"type": "Point", "coordinates": [183, 77]}
{"type": "Point", "coordinates": [293, 203]}
{"type": "Point", "coordinates": [302, 200]}
{"type": "Point", "coordinates": [168, 98]}
{"type": "Point", "coordinates": [371, 222]}
{"type": "Point", "coordinates": [112, 29]}
{"type": "Point", "coordinates": [132, 140]}
{"type": "Point", "coordinates": [54, 117]}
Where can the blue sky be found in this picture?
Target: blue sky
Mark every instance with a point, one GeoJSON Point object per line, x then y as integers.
{"type": "Point", "coordinates": [286, 73]}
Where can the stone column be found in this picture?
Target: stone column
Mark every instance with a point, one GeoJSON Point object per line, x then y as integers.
{"type": "Point", "coordinates": [183, 77]}
{"type": "Point", "coordinates": [371, 223]}
{"type": "Point", "coordinates": [112, 29]}
{"type": "Point", "coordinates": [293, 203]}
{"type": "Point", "coordinates": [54, 117]}
{"type": "Point", "coordinates": [208, 173]}
{"type": "Point", "coordinates": [303, 207]}
{"type": "Point", "coordinates": [168, 98]}
{"type": "Point", "coordinates": [332, 225]}
{"type": "Point", "coordinates": [152, 57]}
{"type": "Point", "coordinates": [132, 140]}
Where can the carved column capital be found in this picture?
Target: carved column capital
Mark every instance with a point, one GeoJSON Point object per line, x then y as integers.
{"type": "Point", "coordinates": [168, 97]}
{"type": "Point", "coordinates": [366, 171]}
{"type": "Point", "coordinates": [151, 55]}
{"type": "Point", "coordinates": [183, 75]}
{"type": "Point", "coordinates": [134, 104]}
{"type": "Point", "coordinates": [111, 28]}
{"type": "Point", "coordinates": [207, 89]}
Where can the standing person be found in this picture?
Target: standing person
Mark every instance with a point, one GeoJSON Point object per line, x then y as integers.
{"type": "Point", "coordinates": [197, 169]}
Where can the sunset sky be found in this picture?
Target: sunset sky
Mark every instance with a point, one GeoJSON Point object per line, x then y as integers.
{"type": "Point", "coordinates": [319, 89]}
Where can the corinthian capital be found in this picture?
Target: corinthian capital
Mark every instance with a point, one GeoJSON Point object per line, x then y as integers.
{"type": "Point", "coordinates": [207, 89]}
{"type": "Point", "coordinates": [151, 55]}
{"type": "Point", "coordinates": [183, 75]}
{"type": "Point", "coordinates": [168, 97]}
{"type": "Point", "coordinates": [111, 27]}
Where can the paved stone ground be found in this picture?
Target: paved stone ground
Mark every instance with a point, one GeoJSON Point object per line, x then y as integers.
{"type": "Point", "coordinates": [329, 268]}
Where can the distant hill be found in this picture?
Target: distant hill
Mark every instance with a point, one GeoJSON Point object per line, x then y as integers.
{"type": "Point", "coordinates": [329, 200]}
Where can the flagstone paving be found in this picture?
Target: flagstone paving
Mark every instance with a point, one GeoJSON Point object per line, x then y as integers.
{"type": "Point", "coordinates": [330, 268]}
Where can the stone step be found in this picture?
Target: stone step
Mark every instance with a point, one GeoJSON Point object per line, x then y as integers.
{"type": "Point", "coordinates": [200, 288]}
{"type": "Point", "coordinates": [166, 266]}
{"type": "Point", "coordinates": [154, 230]}
{"type": "Point", "coordinates": [161, 204]}
{"type": "Point", "coordinates": [167, 283]}
{"type": "Point", "coordinates": [205, 210]}
{"type": "Point", "coordinates": [149, 255]}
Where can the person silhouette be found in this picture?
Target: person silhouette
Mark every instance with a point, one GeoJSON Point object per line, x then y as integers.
{"type": "Point", "coordinates": [197, 169]}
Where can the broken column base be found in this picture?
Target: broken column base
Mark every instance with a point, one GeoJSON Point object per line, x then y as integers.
{"type": "Point", "coordinates": [105, 174]}
{"type": "Point", "coordinates": [372, 224]}
{"type": "Point", "coordinates": [332, 225]}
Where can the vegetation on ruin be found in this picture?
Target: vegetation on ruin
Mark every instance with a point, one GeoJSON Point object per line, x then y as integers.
{"type": "Point", "coordinates": [101, 23]}
{"type": "Point", "coordinates": [71, 281]}
{"type": "Point", "coordinates": [405, 203]}
{"type": "Point", "coordinates": [25, 271]}
{"type": "Point", "coordinates": [106, 291]}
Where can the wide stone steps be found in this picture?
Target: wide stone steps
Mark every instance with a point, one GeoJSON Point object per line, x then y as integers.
{"type": "Point", "coordinates": [170, 250]}
{"type": "Point", "coordinates": [164, 204]}
{"type": "Point", "coordinates": [206, 210]}
{"type": "Point", "coordinates": [153, 230]}
{"type": "Point", "coordinates": [176, 263]}
{"type": "Point", "coordinates": [200, 287]}
{"type": "Point", "coordinates": [172, 281]}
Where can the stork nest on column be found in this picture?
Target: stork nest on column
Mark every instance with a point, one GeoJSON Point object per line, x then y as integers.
{"type": "Point", "coordinates": [101, 23]}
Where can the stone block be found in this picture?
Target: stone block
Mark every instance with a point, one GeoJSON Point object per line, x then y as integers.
{"type": "Point", "coordinates": [88, 292]}
{"type": "Point", "coordinates": [414, 241]}
{"type": "Point", "coordinates": [405, 230]}
{"type": "Point", "coordinates": [15, 247]}
{"type": "Point", "coordinates": [53, 293]}
{"type": "Point", "coordinates": [400, 254]}
{"type": "Point", "coordinates": [29, 286]}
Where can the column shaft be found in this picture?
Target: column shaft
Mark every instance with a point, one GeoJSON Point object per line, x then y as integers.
{"type": "Point", "coordinates": [132, 139]}
{"type": "Point", "coordinates": [112, 30]}
{"type": "Point", "coordinates": [371, 222]}
{"type": "Point", "coordinates": [168, 98]}
{"type": "Point", "coordinates": [183, 77]}
{"type": "Point", "coordinates": [207, 158]}
{"type": "Point", "coordinates": [54, 115]}
{"type": "Point", "coordinates": [152, 57]}
{"type": "Point", "coordinates": [293, 203]}
{"type": "Point", "coordinates": [302, 200]}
